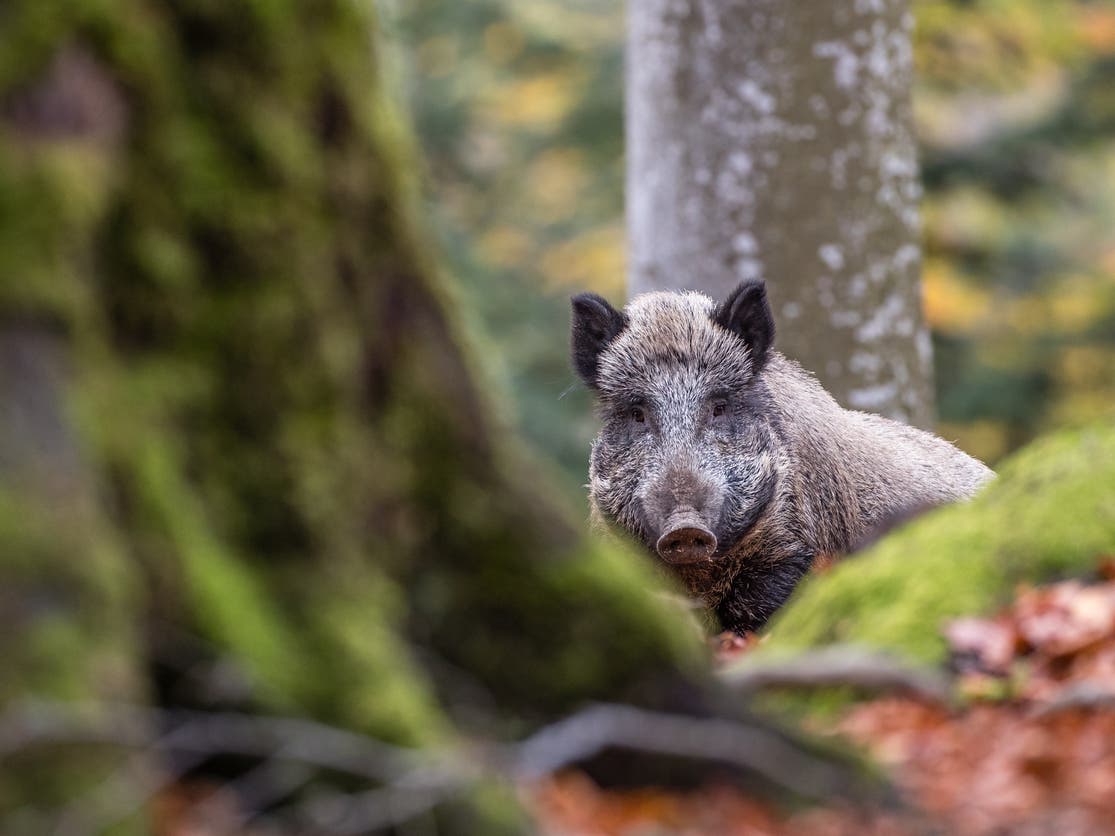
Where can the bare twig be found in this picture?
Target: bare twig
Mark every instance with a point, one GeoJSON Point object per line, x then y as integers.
{"type": "Point", "coordinates": [398, 802]}
{"type": "Point", "coordinates": [134, 726]}
{"type": "Point", "coordinates": [840, 665]}
{"type": "Point", "coordinates": [1083, 695]}
{"type": "Point", "coordinates": [236, 803]}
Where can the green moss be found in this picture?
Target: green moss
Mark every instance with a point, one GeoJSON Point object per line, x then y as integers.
{"type": "Point", "coordinates": [372, 681]}
{"type": "Point", "coordinates": [232, 606]}
{"type": "Point", "coordinates": [1050, 514]}
{"type": "Point", "coordinates": [67, 610]}
{"type": "Point", "coordinates": [68, 605]}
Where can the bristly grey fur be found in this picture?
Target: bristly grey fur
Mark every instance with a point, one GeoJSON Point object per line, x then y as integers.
{"type": "Point", "coordinates": [704, 414]}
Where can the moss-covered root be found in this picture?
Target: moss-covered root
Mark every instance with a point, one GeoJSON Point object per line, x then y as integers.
{"type": "Point", "coordinates": [1050, 514]}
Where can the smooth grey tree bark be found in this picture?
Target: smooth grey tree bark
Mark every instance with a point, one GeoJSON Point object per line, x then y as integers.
{"type": "Point", "coordinates": [774, 139]}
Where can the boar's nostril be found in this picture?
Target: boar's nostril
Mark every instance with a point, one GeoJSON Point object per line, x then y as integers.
{"type": "Point", "coordinates": [688, 544]}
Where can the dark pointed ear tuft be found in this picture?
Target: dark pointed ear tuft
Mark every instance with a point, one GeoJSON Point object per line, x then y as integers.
{"type": "Point", "coordinates": [746, 313]}
{"type": "Point", "coordinates": [595, 324]}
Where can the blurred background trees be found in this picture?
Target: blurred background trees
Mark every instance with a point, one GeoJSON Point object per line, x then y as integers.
{"type": "Point", "coordinates": [518, 107]}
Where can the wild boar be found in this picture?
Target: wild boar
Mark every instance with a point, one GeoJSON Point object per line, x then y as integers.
{"type": "Point", "coordinates": [731, 463]}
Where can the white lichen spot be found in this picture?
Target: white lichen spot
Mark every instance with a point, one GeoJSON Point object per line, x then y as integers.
{"type": "Point", "coordinates": [883, 320]}
{"type": "Point", "coordinates": [755, 96]}
{"type": "Point", "coordinates": [873, 398]}
{"type": "Point", "coordinates": [801, 133]}
{"type": "Point", "coordinates": [730, 189]}
{"type": "Point", "coordinates": [845, 62]}
{"type": "Point", "coordinates": [906, 257]}
{"type": "Point", "coordinates": [866, 363]}
{"type": "Point", "coordinates": [745, 244]}
{"type": "Point", "coordinates": [791, 310]}
{"type": "Point", "coordinates": [749, 268]}
{"type": "Point", "coordinates": [924, 347]}
{"type": "Point", "coordinates": [832, 255]}
{"type": "Point", "coordinates": [740, 162]}
{"type": "Point", "coordinates": [712, 29]}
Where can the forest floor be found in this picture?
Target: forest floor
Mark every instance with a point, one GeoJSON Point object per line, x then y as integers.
{"type": "Point", "coordinates": [1029, 748]}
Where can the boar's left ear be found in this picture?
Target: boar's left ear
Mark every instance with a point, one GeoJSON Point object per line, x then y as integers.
{"type": "Point", "coordinates": [746, 313]}
{"type": "Point", "coordinates": [595, 324]}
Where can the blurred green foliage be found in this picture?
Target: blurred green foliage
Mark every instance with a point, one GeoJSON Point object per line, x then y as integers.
{"type": "Point", "coordinates": [519, 108]}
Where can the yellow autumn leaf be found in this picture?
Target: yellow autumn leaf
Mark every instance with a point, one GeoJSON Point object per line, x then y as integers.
{"type": "Point", "coordinates": [555, 181]}
{"type": "Point", "coordinates": [951, 304]}
{"type": "Point", "coordinates": [539, 102]}
{"type": "Point", "coordinates": [594, 261]}
{"type": "Point", "coordinates": [504, 245]}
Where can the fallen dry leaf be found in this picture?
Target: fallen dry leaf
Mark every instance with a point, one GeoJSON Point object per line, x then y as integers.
{"type": "Point", "coordinates": [1066, 617]}
{"type": "Point", "coordinates": [728, 646]}
{"type": "Point", "coordinates": [982, 644]}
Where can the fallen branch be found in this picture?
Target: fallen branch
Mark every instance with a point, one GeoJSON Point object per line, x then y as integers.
{"type": "Point", "coordinates": [1084, 695]}
{"type": "Point", "coordinates": [840, 665]}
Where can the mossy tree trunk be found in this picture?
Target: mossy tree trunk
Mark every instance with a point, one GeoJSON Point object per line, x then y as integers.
{"type": "Point", "coordinates": [775, 140]}
{"type": "Point", "coordinates": [237, 424]}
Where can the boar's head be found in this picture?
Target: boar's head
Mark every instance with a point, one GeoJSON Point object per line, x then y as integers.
{"type": "Point", "coordinates": [686, 460]}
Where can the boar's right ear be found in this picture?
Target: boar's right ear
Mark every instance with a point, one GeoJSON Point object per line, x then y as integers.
{"type": "Point", "coordinates": [746, 313]}
{"type": "Point", "coordinates": [595, 324]}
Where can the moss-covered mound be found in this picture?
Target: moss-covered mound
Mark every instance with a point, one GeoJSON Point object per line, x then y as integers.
{"type": "Point", "coordinates": [1050, 514]}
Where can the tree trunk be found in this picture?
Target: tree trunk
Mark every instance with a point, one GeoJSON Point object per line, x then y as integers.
{"type": "Point", "coordinates": [774, 140]}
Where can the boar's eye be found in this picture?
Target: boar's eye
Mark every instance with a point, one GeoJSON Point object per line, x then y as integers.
{"type": "Point", "coordinates": [719, 408]}
{"type": "Point", "coordinates": [637, 414]}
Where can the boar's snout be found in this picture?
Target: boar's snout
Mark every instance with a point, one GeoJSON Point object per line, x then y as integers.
{"type": "Point", "coordinates": [681, 505]}
{"type": "Point", "coordinates": [686, 540]}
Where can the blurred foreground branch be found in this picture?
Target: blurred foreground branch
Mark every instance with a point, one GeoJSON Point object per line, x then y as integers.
{"type": "Point", "coordinates": [407, 782]}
